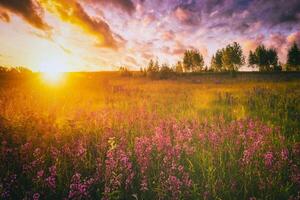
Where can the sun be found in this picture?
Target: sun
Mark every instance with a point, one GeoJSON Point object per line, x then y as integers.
{"type": "Point", "coordinates": [53, 71]}
{"type": "Point", "coordinates": [52, 76]}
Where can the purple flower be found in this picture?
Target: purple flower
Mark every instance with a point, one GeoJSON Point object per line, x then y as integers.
{"type": "Point", "coordinates": [36, 196]}
{"type": "Point", "coordinates": [268, 159]}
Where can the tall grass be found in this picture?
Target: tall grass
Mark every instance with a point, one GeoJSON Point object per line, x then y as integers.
{"type": "Point", "coordinates": [125, 138]}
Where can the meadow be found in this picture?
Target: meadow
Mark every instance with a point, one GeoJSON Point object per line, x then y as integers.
{"type": "Point", "coordinates": [103, 136]}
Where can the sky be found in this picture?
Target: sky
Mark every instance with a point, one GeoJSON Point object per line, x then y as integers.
{"type": "Point", "coordinates": [92, 35]}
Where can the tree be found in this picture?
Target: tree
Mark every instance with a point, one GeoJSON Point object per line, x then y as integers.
{"type": "Point", "coordinates": [252, 59]}
{"type": "Point", "coordinates": [265, 59]}
{"type": "Point", "coordinates": [216, 61]}
{"type": "Point", "coordinates": [261, 57]}
{"type": "Point", "coordinates": [193, 60]}
{"type": "Point", "coordinates": [156, 66]}
{"type": "Point", "coordinates": [278, 67]}
{"type": "Point", "coordinates": [232, 57]}
{"type": "Point", "coordinates": [272, 58]}
{"type": "Point", "coordinates": [178, 68]}
{"type": "Point", "coordinates": [153, 68]}
{"type": "Point", "coordinates": [187, 60]}
{"type": "Point", "coordinates": [293, 58]}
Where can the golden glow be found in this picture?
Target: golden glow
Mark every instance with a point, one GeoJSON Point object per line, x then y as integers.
{"type": "Point", "coordinates": [52, 76]}
{"type": "Point", "coordinates": [53, 70]}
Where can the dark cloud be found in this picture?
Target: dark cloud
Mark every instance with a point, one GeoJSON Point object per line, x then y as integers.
{"type": "Point", "coordinates": [239, 15]}
{"type": "Point", "coordinates": [29, 10]}
{"type": "Point", "coordinates": [125, 5]}
{"type": "Point", "coordinates": [277, 12]}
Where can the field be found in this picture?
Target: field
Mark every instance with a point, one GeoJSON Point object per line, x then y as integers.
{"type": "Point", "coordinates": [103, 136]}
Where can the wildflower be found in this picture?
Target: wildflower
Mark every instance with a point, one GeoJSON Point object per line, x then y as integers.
{"type": "Point", "coordinates": [36, 196]}
{"type": "Point", "coordinates": [268, 159]}
{"type": "Point", "coordinates": [51, 180]}
{"type": "Point", "coordinates": [284, 154]}
{"type": "Point", "coordinates": [78, 188]}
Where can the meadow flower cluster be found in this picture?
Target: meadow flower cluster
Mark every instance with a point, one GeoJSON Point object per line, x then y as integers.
{"type": "Point", "coordinates": [139, 143]}
{"type": "Point", "coordinates": [172, 160]}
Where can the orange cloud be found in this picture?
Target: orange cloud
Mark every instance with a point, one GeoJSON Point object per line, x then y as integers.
{"type": "Point", "coordinates": [4, 16]}
{"type": "Point", "coordinates": [29, 10]}
{"type": "Point", "coordinates": [294, 37]}
{"type": "Point", "coordinates": [72, 12]}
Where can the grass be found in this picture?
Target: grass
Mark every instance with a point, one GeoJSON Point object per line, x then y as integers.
{"type": "Point", "coordinates": [102, 136]}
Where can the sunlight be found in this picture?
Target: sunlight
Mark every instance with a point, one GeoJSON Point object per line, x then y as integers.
{"type": "Point", "coordinates": [52, 76]}
{"type": "Point", "coordinates": [53, 71]}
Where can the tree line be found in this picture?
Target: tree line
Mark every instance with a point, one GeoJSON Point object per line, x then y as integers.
{"type": "Point", "coordinates": [228, 59]}
{"type": "Point", "coordinates": [14, 70]}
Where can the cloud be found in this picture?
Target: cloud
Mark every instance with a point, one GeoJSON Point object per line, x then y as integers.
{"type": "Point", "coordinates": [148, 19]}
{"type": "Point", "coordinates": [72, 12]}
{"type": "Point", "coordinates": [187, 14]}
{"type": "Point", "coordinates": [168, 35]}
{"type": "Point", "coordinates": [240, 15]}
{"type": "Point", "coordinates": [4, 16]}
{"type": "Point", "coordinates": [294, 37]}
{"type": "Point", "coordinates": [125, 5]}
{"type": "Point", "coordinates": [252, 43]}
{"type": "Point", "coordinates": [277, 40]}
{"type": "Point", "coordinates": [131, 60]}
{"type": "Point", "coordinates": [29, 10]}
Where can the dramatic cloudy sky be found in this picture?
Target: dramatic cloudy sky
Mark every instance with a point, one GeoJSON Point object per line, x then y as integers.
{"type": "Point", "coordinates": [90, 35]}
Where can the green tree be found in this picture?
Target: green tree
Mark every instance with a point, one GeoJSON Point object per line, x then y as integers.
{"type": "Point", "coordinates": [252, 59]}
{"type": "Point", "coordinates": [216, 61]}
{"type": "Point", "coordinates": [261, 54]}
{"type": "Point", "coordinates": [272, 58]}
{"type": "Point", "coordinates": [293, 58]}
{"type": "Point", "coordinates": [193, 60]}
{"type": "Point", "coordinates": [265, 59]}
{"type": "Point", "coordinates": [232, 57]}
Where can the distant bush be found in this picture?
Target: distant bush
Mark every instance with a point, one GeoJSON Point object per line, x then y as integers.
{"type": "Point", "coordinates": [165, 71]}
{"type": "Point", "coordinates": [124, 71]}
{"type": "Point", "coordinates": [15, 70]}
{"type": "Point", "coordinates": [155, 71]}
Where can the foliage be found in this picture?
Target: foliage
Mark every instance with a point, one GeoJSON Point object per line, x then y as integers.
{"type": "Point", "coordinates": [232, 57]}
{"type": "Point", "coordinates": [293, 58]}
{"type": "Point", "coordinates": [252, 59]}
{"type": "Point", "coordinates": [193, 61]}
{"type": "Point", "coordinates": [216, 61]}
{"type": "Point", "coordinates": [265, 59]}
{"type": "Point", "coordinates": [152, 69]}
